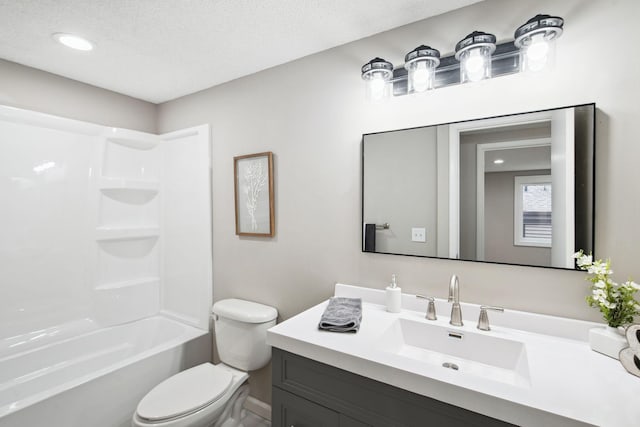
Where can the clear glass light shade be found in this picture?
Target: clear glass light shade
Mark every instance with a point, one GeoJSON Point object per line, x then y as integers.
{"type": "Point", "coordinates": [421, 75]}
{"type": "Point", "coordinates": [475, 64]}
{"type": "Point", "coordinates": [377, 86]}
{"type": "Point", "coordinates": [537, 53]}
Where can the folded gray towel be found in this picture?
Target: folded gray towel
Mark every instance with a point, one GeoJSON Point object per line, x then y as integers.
{"type": "Point", "coordinates": [342, 315]}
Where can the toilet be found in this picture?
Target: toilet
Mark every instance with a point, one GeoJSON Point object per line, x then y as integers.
{"type": "Point", "coordinates": [212, 395]}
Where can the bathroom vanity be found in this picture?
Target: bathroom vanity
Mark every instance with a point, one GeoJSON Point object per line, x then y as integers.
{"type": "Point", "coordinates": [308, 393]}
{"type": "Point", "coordinates": [400, 370]}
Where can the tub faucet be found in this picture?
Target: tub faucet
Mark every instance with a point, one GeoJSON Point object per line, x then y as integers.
{"type": "Point", "coordinates": [454, 297]}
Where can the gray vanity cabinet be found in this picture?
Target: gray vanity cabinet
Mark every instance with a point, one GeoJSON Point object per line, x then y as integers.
{"type": "Point", "coordinates": [299, 412]}
{"type": "Point", "coordinates": [307, 393]}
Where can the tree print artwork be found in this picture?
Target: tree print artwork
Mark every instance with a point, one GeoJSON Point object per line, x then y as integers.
{"type": "Point", "coordinates": [254, 180]}
{"type": "Point", "coordinates": [253, 185]}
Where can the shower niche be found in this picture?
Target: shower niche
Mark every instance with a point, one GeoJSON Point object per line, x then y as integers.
{"type": "Point", "coordinates": [128, 229]}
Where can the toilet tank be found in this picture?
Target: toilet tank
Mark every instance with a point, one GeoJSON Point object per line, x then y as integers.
{"type": "Point", "coordinates": [241, 332]}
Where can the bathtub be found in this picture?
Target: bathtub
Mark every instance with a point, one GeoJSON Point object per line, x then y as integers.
{"type": "Point", "coordinates": [96, 378]}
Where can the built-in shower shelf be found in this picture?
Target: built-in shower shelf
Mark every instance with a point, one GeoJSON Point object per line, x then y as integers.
{"type": "Point", "coordinates": [129, 191]}
{"type": "Point", "coordinates": [135, 143]}
{"type": "Point", "coordinates": [128, 184]}
{"type": "Point", "coordinates": [126, 233]}
{"type": "Point", "coordinates": [107, 183]}
{"type": "Point", "coordinates": [141, 281]}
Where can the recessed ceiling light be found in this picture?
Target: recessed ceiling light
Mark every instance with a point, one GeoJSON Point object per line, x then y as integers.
{"type": "Point", "coordinates": [498, 161]}
{"type": "Point", "coordinates": [72, 41]}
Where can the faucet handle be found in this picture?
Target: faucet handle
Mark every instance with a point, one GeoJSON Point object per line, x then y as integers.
{"type": "Point", "coordinates": [483, 320]}
{"type": "Point", "coordinates": [431, 307]}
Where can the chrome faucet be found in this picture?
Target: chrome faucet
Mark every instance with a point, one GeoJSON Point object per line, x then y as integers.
{"type": "Point", "coordinates": [431, 307]}
{"type": "Point", "coordinates": [454, 297]}
{"type": "Point", "coordinates": [483, 320]}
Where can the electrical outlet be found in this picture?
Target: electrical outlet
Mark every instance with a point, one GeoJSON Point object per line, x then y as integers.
{"type": "Point", "coordinates": [419, 235]}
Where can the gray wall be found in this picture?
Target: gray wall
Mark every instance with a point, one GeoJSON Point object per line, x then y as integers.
{"type": "Point", "coordinates": [311, 113]}
{"type": "Point", "coordinates": [32, 89]}
{"type": "Point", "coordinates": [498, 222]}
{"type": "Point", "coordinates": [400, 182]}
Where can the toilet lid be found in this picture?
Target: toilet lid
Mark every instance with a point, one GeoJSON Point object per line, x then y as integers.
{"type": "Point", "coordinates": [185, 392]}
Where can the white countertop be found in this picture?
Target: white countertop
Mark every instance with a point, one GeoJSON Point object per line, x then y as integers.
{"type": "Point", "coordinates": [569, 384]}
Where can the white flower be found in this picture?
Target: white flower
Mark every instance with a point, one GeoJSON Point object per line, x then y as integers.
{"type": "Point", "coordinates": [585, 260]}
{"type": "Point", "coordinates": [599, 269]}
{"type": "Point", "coordinates": [599, 295]}
{"type": "Point", "coordinates": [615, 301]}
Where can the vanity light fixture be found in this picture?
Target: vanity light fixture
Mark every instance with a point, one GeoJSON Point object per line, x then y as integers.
{"type": "Point", "coordinates": [72, 41]}
{"type": "Point", "coordinates": [377, 73]}
{"type": "Point", "coordinates": [421, 65]}
{"type": "Point", "coordinates": [498, 161]}
{"type": "Point", "coordinates": [536, 41]}
{"type": "Point", "coordinates": [476, 57]}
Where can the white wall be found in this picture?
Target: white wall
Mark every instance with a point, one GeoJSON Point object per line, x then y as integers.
{"type": "Point", "coordinates": [311, 113]}
{"type": "Point", "coordinates": [468, 201]}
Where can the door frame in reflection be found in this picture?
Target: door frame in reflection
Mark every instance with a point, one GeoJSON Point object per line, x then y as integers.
{"type": "Point", "coordinates": [563, 181]}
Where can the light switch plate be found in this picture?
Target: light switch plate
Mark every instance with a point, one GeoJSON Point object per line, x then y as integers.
{"type": "Point", "coordinates": [419, 235]}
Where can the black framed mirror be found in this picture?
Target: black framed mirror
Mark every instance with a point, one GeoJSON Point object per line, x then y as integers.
{"type": "Point", "coordinates": [513, 189]}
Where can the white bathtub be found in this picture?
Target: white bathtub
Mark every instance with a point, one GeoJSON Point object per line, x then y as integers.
{"type": "Point", "coordinates": [95, 379]}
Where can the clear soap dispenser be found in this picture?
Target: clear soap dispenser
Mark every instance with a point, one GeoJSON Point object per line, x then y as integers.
{"type": "Point", "coordinates": [394, 296]}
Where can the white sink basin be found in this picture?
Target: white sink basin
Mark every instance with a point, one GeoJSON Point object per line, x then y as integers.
{"type": "Point", "coordinates": [467, 353]}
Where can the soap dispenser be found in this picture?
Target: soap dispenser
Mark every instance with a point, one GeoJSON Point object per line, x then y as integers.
{"type": "Point", "coordinates": [394, 296]}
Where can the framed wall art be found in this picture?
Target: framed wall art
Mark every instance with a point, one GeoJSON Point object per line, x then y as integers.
{"type": "Point", "coordinates": [253, 185]}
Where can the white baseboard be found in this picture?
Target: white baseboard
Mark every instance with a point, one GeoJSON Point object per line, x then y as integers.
{"type": "Point", "coordinates": [258, 407]}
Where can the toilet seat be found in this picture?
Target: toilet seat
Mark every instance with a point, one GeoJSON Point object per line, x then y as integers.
{"type": "Point", "coordinates": [185, 393]}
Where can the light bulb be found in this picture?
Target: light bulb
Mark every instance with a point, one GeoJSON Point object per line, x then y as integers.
{"type": "Point", "coordinates": [537, 53]}
{"type": "Point", "coordinates": [475, 65]}
{"type": "Point", "coordinates": [377, 86]}
{"type": "Point", "coordinates": [421, 77]}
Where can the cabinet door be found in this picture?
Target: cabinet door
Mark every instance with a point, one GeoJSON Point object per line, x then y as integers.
{"type": "Point", "coordinates": [350, 422]}
{"type": "Point", "coordinates": [289, 410]}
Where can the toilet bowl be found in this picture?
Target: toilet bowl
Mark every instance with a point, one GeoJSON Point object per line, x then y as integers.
{"type": "Point", "coordinates": [192, 398]}
{"type": "Point", "coordinates": [211, 395]}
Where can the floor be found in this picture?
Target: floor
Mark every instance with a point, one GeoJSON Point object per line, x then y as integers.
{"type": "Point", "coordinates": [250, 419]}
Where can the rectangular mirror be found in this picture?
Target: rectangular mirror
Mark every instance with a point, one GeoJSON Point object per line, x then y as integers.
{"type": "Point", "coordinates": [515, 189]}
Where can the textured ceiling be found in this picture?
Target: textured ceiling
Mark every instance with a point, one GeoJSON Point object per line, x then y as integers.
{"type": "Point", "coordinates": [158, 50]}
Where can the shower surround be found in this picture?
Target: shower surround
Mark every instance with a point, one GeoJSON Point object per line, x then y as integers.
{"type": "Point", "coordinates": [105, 263]}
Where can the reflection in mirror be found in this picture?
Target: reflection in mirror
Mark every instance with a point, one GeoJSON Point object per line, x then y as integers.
{"type": "Point", "coordinates": [514, 189]}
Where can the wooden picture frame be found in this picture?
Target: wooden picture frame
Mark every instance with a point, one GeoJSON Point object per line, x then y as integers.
{"type": "Point", "coordinates": [253, 193]}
